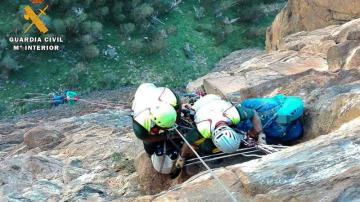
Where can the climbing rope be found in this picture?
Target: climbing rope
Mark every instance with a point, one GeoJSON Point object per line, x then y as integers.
{"type": "Point", "coordinates": [206, 166]}
{"type": "Point", "coordinates": [220, 153]}
{"type": "Point", "coordinates": [246, 154]}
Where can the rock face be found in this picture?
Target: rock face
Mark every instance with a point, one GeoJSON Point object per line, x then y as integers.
{"type": "Point", "coordinates": [321, 66]}
{"type": "Point", "coordinates": [326, 168]}
{"type": "Point", "coordinates": [308, 15]}
{"type": "Point", "coordinates": [261, 71]}
{"type": "Point", "coordinates": [331, 100]}
{"type": "Point", "coordinates": [150, 181]}
{"type": "Point", "coordinates": [88, 157]}
{"type": "Point", "coordinates": [42, 137]}
{"type": "Point", "coordinates": [87, 153]}
{"type": "Point", "coordinates": [339, 43]}
{"type": "Point", "coordinates": [314, 65]}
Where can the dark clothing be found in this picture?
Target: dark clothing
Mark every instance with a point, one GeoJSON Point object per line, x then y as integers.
{"type": "Point", "coordinates": [206, 146]}
{"type": "Point", "coordinates": [141, 132]}
{"type": "Point", "coordinates": [158, 147]}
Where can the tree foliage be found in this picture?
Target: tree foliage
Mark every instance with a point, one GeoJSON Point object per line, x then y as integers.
{"type": "Point", "coordinates": [228, 14]}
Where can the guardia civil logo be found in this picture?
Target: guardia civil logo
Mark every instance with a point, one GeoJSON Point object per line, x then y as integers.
{"type": "Point", "coordinates": [31, 40]}
{"type": "Point", "coordinates": [34, 18]}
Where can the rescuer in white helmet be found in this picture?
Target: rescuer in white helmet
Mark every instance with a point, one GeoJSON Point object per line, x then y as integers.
{"type": "Point", "coordinates": [215, 119]}
{"type": "Point", "coordinates": [156, 109]}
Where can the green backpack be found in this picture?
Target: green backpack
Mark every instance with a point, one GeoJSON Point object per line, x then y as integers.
{"type": "Point", "coordinates": [72, 95]}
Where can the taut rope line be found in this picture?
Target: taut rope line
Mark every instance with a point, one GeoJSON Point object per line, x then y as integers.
{"type": "Point", "coordinates": [206, 166]}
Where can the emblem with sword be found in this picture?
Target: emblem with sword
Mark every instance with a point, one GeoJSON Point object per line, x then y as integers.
{"type": "Point", "coordinates": [35, 19]}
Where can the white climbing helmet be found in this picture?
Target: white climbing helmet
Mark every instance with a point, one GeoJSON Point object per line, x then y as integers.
{"type": "Point", "coordinates": [163, 114]}
{"type": "Point", "coordinates": [226, 139]}
{"type": "Point", "coordinates": [162, 164]}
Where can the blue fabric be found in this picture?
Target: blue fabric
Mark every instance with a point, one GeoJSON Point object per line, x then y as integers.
{"type": "Point", "coordinates": [291, 109]}
{"type": "Point", "coordinates": [275, 131]}
{"type": "Point", "coordinates": [58, 99]}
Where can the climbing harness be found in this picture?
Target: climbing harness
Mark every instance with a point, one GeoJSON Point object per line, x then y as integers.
{"type": "Point", "coordinates": [206, 166]}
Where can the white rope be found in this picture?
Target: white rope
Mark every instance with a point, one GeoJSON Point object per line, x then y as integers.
{"type": "Point", "coordinates": [206, 166]}
{"type": "Point", "coordinates": [246, 154]}
{"type": "Point", "coordinates": [220, 154]}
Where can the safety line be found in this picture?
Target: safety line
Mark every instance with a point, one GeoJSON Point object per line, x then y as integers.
{"type": "Point", "coordinates": [246, 154]}
{"type": "Point", "coordinates": [220, 153]}
{"type": "Point", "coordinates": [206, 166]}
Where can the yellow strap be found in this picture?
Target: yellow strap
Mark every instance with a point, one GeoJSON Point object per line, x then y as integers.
{"type": "Point", "coordinates": [216, 150]}
{"type": "Point", "coordinates": [199, 141]}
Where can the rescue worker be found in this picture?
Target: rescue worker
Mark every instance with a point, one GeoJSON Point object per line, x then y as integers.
{"type": "Point", "coordinates": [155, 110]}
{"type": "Point", "coordinates": [215, 121]}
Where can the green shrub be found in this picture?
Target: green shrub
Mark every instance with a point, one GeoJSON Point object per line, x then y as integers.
{"type": "Point", "coordinates": [162, 6]}
{"type": "Point", "coordinates": [100, 2]}
{"type": "Point", "coordinates": [86, 27]}
{"type": "Point", "coordinates": [87, 39]}
{"type": "Point", "coordinates": [206, 28]}
{"type": "Point", "coordinates": [81, 67]}
{"type": "Point", "coordinates": [73, 80]}
{"type": "Point", "coordinates": [82, 17]}
{"type": "Point", "coordinates": [71, 25]}
{"type": "Point", "coordinates": [156, 46]}
{"type": "Point", "coordinates": [90, 52]}
{"type": "Point", "coordinates": [87, 3]}
{"type": "Point", "coordinates": [109, 80]}
{"type": "Point", "coordinates": [254, 32]}
{"type": "Point", "coordinates": [136, 46]}
{"type": "Point", "coordinates": [3, 43]}
{"type": "Point", "coordinates": [116, 11]}
{"type": "Point", "coordinates": [127, 28]}
{"type": "Point", "coordinates": [250, 14]}
{"type": "Point", "coordinates": [96, 28]}
{"type": "Point", "coordinates": [142, 12]}
{"type": "Point", "coordinates": [103, 11]}
{"type": "Point", "coordinates": [9, 63]}
{"type": "Point", "coordinates": [17, 25]}
{"type": "Point", "coordinates": [59, 26]}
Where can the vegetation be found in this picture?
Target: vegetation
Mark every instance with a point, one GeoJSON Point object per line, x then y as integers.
{"type": "Point", "coordinates": [111, 43]}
